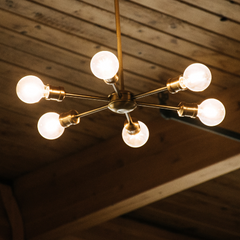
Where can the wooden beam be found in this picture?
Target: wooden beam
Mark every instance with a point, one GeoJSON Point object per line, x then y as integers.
{"type": "Point", "coordinates": [9, 215]}
{"type": "Point", "coordinates": [122, 228]}
{"type": "Point", "coordinates": [110, 179]}
{"type": "Point", "coordinates": [13, 213]}
{"type": "Point", "coordinates": [199, 210]}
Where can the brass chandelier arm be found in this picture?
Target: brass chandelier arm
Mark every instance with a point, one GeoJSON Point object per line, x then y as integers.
{"type": "Point", "coordinates": [158, 90]}
{"type": "Point", "coordinates": [152, 105]}
{"type": "Point", "coordinates": [129, 118]}
{"type": "Point", "coordinates": [119, 44]}
{"type": "Point", "coordinates": [92, 111]}
{"type": "Point", "coordinates": [89, 97]}
{"type": "Point", "coordinates": [116, 90]}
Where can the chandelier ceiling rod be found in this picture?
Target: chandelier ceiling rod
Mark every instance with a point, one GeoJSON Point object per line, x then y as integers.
{"type": "Point", "coordinates": [120, 59]}
{"type": "Point", "coordinates": [119, 44]}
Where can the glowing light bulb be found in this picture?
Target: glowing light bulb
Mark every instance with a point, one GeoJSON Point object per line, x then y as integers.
{"type": "Point", "coordinates": [49, 126]}
{"type": "Point", "coordinates": [30, 89]}
{"type": "Point", "coordinates": [211, 112]}
{"type": "Point", "coordinates": [104, 65]}
{"type": "Point", "coordinates": [136, 140]}
{"type": "Point", "coordinates": [196, 77]}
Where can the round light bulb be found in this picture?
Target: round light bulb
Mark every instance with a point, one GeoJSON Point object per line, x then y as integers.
{"type": "Point", "coordinates": [104, 65]}
{"type": "Point", "coordinates": [211, 112]}
{"type": "Point", "coordinates": [49, 126]}
{"type": "Point", "coordinates": [30, 89]}
{"type": "Point", "coordinates": [196, 77]}
{"type": "Point", "coordinates": [136, 140]}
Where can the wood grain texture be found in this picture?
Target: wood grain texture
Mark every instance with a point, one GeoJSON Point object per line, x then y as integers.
{"type": "Point", "coordinates": [122, 228]}
{"type": "Point", "coordinates": [226, 9]}
{"type": "Point", "coordinates": [116, 189]}
{"type": "Point", "coordinates": [55, 40]}
{"type": "Point", "coordinates": [6, 221]}
{"type": "Point", "coordinates": [13, 213]}
{"type": "Point", "coordinates": [195, 16]}
{"type": "Point", "coordinates": [198, 211]}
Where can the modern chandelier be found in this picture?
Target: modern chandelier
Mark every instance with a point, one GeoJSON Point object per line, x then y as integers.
{"type": "Point", "coordinates": [106, 66]}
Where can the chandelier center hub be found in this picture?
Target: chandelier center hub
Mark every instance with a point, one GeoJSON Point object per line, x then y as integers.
{"type": "Point", "coordinates": [122, 102]}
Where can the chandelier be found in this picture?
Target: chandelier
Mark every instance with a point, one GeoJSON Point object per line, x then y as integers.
{"type": "Point", "coordinates": [106, 66]}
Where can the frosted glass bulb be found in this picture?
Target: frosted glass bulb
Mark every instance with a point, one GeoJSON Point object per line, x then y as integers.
{"type": "Point", "coordinates": [211, 112]}
{"type": "Point", "coordinates": [104, 65]}
{"type": "Point", "coordinates": [136, 140]}
{"type": "Point", "coordinates": [49, 126]}
{"type": "Point", "coordinates": [30, 89]}
{"type": "Point", "coordinates": [196, 77]}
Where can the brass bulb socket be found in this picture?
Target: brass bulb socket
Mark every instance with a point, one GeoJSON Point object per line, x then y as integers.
{"type": "Point", "coordinates": [188, 110]}
{"type": "Point", "coordinates": [69, 118]}
{"type": "Point", "coordinates": [132, 127]}
{"type": "Point", "coordinates": [175, 85]}
{"type": "Point", "coordinates": [55, 93]}
{"type": "Point", "coordinates": [111, 80]}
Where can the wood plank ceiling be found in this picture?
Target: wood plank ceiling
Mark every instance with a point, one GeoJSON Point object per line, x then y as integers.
{"type": "Point", "coordinates": [55, 40]}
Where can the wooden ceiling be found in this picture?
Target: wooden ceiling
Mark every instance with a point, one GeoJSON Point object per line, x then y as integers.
{"type": "Point", "coordinates": [88, 185]}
